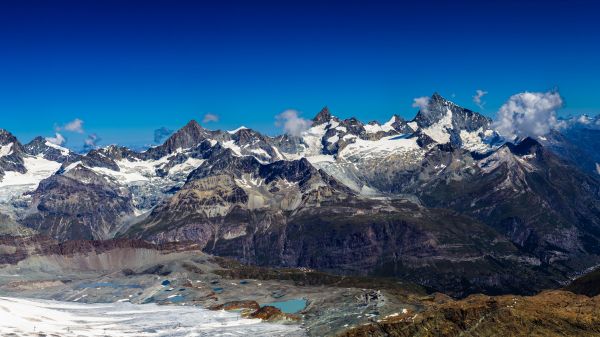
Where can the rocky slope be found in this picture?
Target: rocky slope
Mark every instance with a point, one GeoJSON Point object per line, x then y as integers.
{"type": "Point", "coordinates": [587, 284]}
{"type": "Point", "coordinates": [552, 313]}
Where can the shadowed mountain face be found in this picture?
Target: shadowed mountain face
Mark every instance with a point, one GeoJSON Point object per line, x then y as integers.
{"type": "Point", "coordinates": [440, 200]}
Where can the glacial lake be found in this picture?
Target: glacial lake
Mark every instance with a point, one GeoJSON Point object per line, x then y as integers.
{"type": "Point", "coordinates": [290, 306]}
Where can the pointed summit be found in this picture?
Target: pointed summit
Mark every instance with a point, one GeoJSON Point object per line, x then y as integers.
{"type": "Point", "coordinates": [437, 97]}
{"type": "Point", "coordinates": [191, 126]}
{"type": "Point", "coordinates": [40, 146]}
{"type": "Point", "coordinates": [7, 137]}
{"type": "Point", "coordinates": [323, 116]}
{"type": "Point", "coordinates": [438, 100]}
{"type": "Point", "coordinates": [188, 136]}
{"type": "Point", "coordinates": [441, 110]}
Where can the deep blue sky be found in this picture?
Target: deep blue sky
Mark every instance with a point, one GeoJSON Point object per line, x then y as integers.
{"type": "Point", "coordinates": [128, 67]}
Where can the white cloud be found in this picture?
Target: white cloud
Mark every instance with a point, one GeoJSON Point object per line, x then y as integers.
{"type": "Point", "coordinates": [478, 96]}
{"type": "Point", "coordinates": [582, 121]}
{"type": "Point", "coordinates": [421, 102]}
{"type": "Point", "coordinates": [528, 114]}
{"type": "Point", "coordinates": [91, 142]}
{"type": "Point", "coordinates": [58, 139]}
{"type": "Point", "coordinates": [210, 118]}
{"type": "Point", "coordinates": [292, 123]}
{"type": "Point", "coordinates": [75, 125]}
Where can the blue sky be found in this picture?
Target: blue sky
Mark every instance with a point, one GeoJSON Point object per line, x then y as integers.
{"type": "Point", "coordinates": [127, 68]}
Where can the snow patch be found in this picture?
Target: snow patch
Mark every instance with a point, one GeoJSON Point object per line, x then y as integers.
{"type": "Point", "coordinates": [333, 139]}
{"type": "Point", "coordinates": [238, 129]}
{"type": "Point", "coordinates": [439, 131]}
{"type": "Point", "coordinates": [6, 150]}
{"type": "Point", "coordinates": [187, 166]}
{"type": "Point", "coordinates": [63, 150]}
{"type": "Point", "coordinates": [473, 142]}
{"type": "Point", "coordinates": [37, 168]}
{"type": "Point", "coordinates": [320, 159]}
{"type": "Point", "coordinates": [367, 148]}
{"type": "Point", "coordinates": [375, 128]}
{"type": "Point", "coordinates": [230, 144]}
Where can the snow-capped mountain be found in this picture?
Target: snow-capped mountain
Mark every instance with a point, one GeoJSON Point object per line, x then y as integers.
{"type": "Point", "coordinates": [393, 198]}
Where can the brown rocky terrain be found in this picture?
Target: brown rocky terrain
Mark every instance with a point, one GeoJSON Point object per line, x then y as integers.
{"type": "Point", "coordinates": [550, 313]}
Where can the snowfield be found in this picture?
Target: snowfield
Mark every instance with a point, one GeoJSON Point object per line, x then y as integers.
{"type": "Point", "coordinates": [34, 317]}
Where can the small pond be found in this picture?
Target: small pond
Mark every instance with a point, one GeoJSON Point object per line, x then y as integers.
{"type": "Point", "coordinates": [290, 306]}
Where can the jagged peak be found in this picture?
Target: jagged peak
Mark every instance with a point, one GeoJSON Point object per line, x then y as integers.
{"type": "Point", "coordinates": [192, 130]}
{"type": "Point", "coordinates": [8, 138]}
{"type": "Point", "coordinates": [37, 140]}
{"type": "Point", "coordinates": [438, 99]}
{"type": "Point", "coordinates": [192, 125]}
{"type": "Point", "coordinates": [5, 135]}
{"type": "Point", "coordinates": [323, 116]}
{"type": "Point", "coordinates": [438, 109]}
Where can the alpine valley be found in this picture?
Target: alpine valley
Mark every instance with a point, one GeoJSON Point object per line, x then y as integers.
{"type": "Point", "coordinates": [433, 226]}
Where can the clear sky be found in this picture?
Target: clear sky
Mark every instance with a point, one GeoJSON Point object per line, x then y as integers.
{"type": "Point", "coordinates": [126, 68]}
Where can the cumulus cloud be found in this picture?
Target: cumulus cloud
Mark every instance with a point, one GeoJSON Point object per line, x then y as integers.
{"type": "Point", "coordinates": [161, 134]}
{"type": "Point", "coordinates": [581, 121]}
{"type": "Point", "coordinates": [91, 142]}
{"type": "Point", "coordinates": [421, 102]}
{"type": "Point", "coordinates": [478, 96]}
{"type": "Point", "coordinates": [209, 117]}
{"type": "Point", "coordinates": [58, 139]}
{"type": "Point", "coordinates": [75, 125]}
{"type": "Point", "coordinates": [528, 114]}
{"type": "Point", "coordinates": [292, 123]}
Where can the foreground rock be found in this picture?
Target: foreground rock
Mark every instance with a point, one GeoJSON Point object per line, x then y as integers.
{"type": "Point", "coordinates": [551, 313]}
{"type": "Point", "coordinates": [272, 314]}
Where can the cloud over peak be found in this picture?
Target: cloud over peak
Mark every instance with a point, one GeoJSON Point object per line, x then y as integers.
{"type": "Point", "coordinates": [210, 117]}
{"type": "Point", "coordinates": [421, 102]}
{"type": "Point", "coordinates": [91, 142]}
{"type": "Point", "coordinates": [477, 99]}
{"type": "Point", "coordinates": [58, 139]}
{"type": "Point", "coordinates": [292, 123]}
{"type": "Point", "coordinates": [528, 114]}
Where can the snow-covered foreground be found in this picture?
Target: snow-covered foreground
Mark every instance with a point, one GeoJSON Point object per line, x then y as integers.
{"type": "Point", "coordinates": [32, 317]}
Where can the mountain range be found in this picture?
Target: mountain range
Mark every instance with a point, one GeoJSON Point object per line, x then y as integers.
{"type": "Point", "coordinates": [441, 200]}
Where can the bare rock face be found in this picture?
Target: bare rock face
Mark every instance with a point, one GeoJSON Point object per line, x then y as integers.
{"type": "Point", "coordinates": [78, 205]}
{"type": "Point", "coordinates": [18, 248]}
